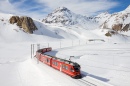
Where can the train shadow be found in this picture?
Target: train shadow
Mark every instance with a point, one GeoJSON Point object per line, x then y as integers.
{"type": "Point", "coordinates": [85, 74]}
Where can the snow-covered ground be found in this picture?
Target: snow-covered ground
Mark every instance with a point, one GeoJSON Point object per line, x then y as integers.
{"type": "Point", "coordinates": [106, 62]}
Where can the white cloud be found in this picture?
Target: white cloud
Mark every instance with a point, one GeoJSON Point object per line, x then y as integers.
{"type": "Point", "coordinates": [6, 6]}
{"type": "Point", "coordinates": [84, 7]}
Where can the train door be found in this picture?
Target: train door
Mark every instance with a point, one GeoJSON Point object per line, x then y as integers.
{"type": "Point", "coordinates": [60, 67]}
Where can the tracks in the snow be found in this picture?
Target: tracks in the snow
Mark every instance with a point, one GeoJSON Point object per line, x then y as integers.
{"type": "Point", "coordinates": [86, 83]}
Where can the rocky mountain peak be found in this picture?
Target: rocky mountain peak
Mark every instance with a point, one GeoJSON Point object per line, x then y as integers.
{"type": "Point", "coordinates": [104, 14]}
{"type": "Point", "coordinates": [61, 15]}
{"type": "Point", "coordinates": [62, 9]}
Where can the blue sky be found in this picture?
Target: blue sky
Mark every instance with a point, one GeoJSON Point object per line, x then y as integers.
{"type": "Point", "coordinates": [40, 8]}
{"type": "Point", "coordinates": [123, 4]}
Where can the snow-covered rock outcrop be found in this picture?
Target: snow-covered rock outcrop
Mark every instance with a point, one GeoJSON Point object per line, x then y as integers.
{"type": "Point", "coordinates": [24, 22]}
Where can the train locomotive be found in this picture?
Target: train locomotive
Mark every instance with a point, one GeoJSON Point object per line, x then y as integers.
{"type": "Point", "coordinates": [66, 66]}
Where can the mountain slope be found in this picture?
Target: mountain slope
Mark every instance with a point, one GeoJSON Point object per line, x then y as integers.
{"type": "Point", "coordinates": [101, 18]}
{"type": "Point", "coordinates": [13, 33]}
{"type": "Point", "coordinates": [118, 21]}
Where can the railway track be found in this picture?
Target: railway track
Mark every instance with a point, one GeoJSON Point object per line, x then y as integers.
{"type": "Point", "coordinates": [86, 83]}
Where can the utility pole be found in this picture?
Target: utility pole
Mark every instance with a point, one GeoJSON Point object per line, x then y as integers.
{"type": "Point", "coordinates": [60, 44]}
{"type": "Point", "coordinates": [31, 50]}
{"type": "Point", "coordinates": [38, 47]}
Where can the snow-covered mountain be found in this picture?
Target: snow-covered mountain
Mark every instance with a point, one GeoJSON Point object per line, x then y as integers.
{"type": "Point", "coordinates": [64, 17]}
{"type": "Point", "coordinates": [118, 21]}
{"type": "Point", "coordinates": [61, 15]}
{"type": "Point", "coordinates": [113, 22]}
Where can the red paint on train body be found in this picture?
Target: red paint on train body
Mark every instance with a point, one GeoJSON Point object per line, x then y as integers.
{"type": "Point", "coordinates": [65, 66]}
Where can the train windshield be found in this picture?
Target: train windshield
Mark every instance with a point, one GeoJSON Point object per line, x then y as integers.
{"type": "Point", "coordinates": [76, 68]}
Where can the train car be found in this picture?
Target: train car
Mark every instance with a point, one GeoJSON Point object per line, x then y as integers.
{"type": "Point", "coordinates": [71, 68]}
{"type": "Point", "coordinates": [68, 67]}
{"type": "Point", "coordinates": [56, 63]}
{"type": "Point", "coordinates": [42, 57]}
{"type": "Point", "coordinates": [38, 54]}
{"type": "Point", "coordinates": [46, 59]}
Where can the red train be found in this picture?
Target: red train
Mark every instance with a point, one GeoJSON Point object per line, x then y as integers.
{"type": "Point", "coordinates": [65, 66]}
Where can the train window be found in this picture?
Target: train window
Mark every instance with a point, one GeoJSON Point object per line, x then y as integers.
{"type": "Point", "coordinates": [53, 62]}
{"type": "Point", "coordinates": [56, 64]}
{"type": "Point", "coordinates": [47, 60]}
{"type": "Point", "coordinates": [71, 69]}
{"type": "Point", "coordinates": [66, 68]}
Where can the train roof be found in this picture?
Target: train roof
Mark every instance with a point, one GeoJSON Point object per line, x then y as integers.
{"type": "Point", "coordinates": [66, 61]}
{"type": "Point", "coordinates": [59, 59]}
{"type": "Point", "coordinates": [40, 50]}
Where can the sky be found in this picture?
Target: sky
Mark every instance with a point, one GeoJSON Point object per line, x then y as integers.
{"type": "Point", "coordinates": [41, 8]}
